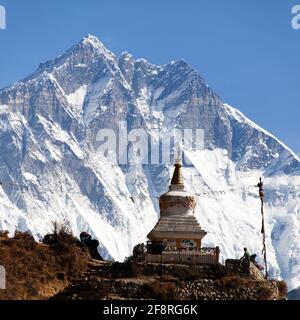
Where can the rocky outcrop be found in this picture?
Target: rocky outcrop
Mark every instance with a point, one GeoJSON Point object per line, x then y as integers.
{"type": "Point", "coordinates": [153, 281]}
{"type": "Point", "coordinates": [244, 268]}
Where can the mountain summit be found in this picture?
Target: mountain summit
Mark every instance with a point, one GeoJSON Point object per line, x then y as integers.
{"type": "Point", "coordinates": [51, 170]}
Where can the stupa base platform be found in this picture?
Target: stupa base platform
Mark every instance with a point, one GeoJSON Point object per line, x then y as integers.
{"type": "Point", "coordinates": [191, 257]}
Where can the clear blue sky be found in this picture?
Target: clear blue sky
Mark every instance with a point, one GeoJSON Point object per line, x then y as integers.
{"type": "Point", "coordinates": [245, 49]}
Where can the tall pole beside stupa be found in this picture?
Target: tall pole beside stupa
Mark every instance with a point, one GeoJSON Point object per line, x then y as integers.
{"type": "Point", "coordinates": [260, 185]}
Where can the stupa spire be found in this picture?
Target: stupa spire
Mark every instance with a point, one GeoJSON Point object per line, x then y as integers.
{"type": "Point", "coordinates": [177, 178]}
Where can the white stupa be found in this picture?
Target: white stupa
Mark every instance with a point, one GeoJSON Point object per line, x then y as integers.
{"type": "Point", "coordinates": [177, 226]}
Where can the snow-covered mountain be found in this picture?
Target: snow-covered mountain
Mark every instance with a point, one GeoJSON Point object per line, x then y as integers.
{"type": "Point", "coordinates": [51, 170]}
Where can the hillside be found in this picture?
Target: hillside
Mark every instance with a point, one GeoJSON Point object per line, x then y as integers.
{"type": "Point", "coordinates": [37, 271]}
{"type": "Point", "coordinates": [63, 269]}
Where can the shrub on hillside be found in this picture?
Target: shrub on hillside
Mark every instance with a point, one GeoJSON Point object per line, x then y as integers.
{"type": "Point", "coordinates": [282, 289]}
{"type": "Point", "coordinates": [60, 235]}
{"type": "Point", "coordinates": [265, 293]}
{"type": "Point", "coordinates": [4, 235]}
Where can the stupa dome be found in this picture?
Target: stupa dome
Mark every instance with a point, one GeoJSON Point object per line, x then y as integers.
{"type": "Point", "coordinates": [177, 201]}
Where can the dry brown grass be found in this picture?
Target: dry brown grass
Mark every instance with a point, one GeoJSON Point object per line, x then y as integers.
{"type": "Point", "coordinates": [282, 289]}
{"type": "Point", "coordinates": [265, 293]}
{"type": "Point", "coordinates": [37, 271]}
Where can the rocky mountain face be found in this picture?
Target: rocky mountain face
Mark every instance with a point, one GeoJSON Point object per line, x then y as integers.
{"type": "Point", "coordinates": [294, 294]}
{"type": "Point", "coordinates": [51, 168]}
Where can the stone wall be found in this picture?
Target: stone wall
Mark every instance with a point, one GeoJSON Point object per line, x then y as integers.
{"type": "Point", "coordinates": [183, 271]}
{"type": "Point", "coordinates": [132, 280]}
{"type": "Point", "coordinates": [244, 268]}
{"type": "Point", "coordinates": [197, 257]}
{"type": "Point", "coordinates": [181, 258]}
{"type": "Point", "coordinates": [208, 289]}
